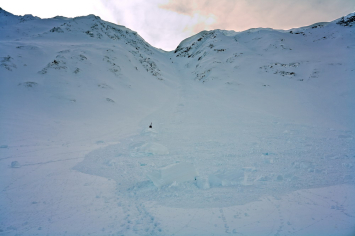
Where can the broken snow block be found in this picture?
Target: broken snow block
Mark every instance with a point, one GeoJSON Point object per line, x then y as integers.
{"type": "Point", "coordinates": [179, 173]}
{"type": "Point", "coordinates": [202, 182]}
{"type": "Point", "coordinates": [226, 178]}
{"type": "Point", "coordinates": [149, 132]}
{"type": "Point", "coordinates": [148, 149]}
{"type": "Point", "coordinates": [15, 164]}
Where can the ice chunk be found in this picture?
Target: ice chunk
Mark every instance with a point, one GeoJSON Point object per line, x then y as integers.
{"type": "Point", "coordinates": [15, 164]}
{"type": "Point", "coordinates": [149, 132]}
{"type": "Point", "coordinates": [247, 171]}
{"type": "Point", "coordinates": [179, 173]}
{"type": "Point", "coordinates": [280, 178]}
{"type": "Point", "coordinates": [202, 182]}
{"type": "Point", "coordinates": [152, 149]}
{"type": "Point", "coordinates": [226, 178]}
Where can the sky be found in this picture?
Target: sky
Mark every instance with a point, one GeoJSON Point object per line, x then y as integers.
{"type": "Point", "coordinates": [165, 23]}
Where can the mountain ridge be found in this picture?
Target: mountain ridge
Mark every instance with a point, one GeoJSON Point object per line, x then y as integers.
{"type": "Point", "coordinates": [347, 20]}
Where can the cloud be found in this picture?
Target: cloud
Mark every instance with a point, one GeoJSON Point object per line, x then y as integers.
{"type": "Point", "coordinates": [165, 23]}
{"type": "Point", "coordinates": [241, 15]}
{"type": "Point", "coordinates": [160, 27]}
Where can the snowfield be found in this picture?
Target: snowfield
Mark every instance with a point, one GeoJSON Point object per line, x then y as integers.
{"type": "Point", "coordinates": [252, 132]}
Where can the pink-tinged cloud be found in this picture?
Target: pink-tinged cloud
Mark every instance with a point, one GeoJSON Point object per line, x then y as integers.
{"type": "Point", "coordinates": [241, 15]}
{"type": "Point", "coordinates": [160, 27]}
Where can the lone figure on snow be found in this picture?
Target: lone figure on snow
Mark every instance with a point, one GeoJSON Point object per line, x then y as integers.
{"type": "Point", "coordinates": [151, 126]}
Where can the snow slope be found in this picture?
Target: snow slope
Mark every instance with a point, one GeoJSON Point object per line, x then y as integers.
{"type": "Point", "coordinates": [253, 132]}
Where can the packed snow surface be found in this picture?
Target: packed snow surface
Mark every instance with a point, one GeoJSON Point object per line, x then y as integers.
{"type": "Point", "coordinates": [252, 132]}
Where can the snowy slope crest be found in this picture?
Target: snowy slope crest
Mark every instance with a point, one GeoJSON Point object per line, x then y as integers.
{"type": "Point", "coordinates": [24, 32]}
{"type": "Point", "coordinates": [6, 18]}
{"type": "Point", "coordinates": [91, 25]}
{"type": "Point", "coordinates": [211, 53]}
{"type": "Point", "coordinates": [348, 20]}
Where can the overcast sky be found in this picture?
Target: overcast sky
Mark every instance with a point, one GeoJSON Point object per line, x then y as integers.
{"type": "Point", "coordinates": [165, 23]}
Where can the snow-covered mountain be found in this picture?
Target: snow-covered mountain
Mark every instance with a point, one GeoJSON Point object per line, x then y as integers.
{"type": "Point", "coordinates": [253, 131]}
